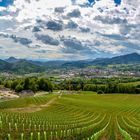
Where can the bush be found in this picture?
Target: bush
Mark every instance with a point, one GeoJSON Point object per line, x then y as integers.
{"type": "Point", "coordinates": [19, 88]}
{"type": "Point", "coordinates": [137, 90]}
{"type": "Point", "coordinates": [100, 92]}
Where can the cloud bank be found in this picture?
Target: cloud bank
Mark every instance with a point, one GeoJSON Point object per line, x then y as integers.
{"type": "Point", "coordinates": [69, 29]}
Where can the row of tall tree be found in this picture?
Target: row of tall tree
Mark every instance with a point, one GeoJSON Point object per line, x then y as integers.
{"type": "Point", "coordinates": [34, 84]}
{"type": "Point", "coordinates": [113, 88]}
{"type": "Point", "coordinates": [97, 85]}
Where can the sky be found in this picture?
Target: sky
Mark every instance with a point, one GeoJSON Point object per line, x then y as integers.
{"type": "Point", "coordinates": [69, 29]}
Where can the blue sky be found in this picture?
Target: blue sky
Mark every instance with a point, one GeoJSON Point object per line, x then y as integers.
{"type": "Point", "coordinates": [6, 3]}
{"type": "Point", "coordinates": [69, 29]}
{"type": "Point", "coordinates": [117, 1]}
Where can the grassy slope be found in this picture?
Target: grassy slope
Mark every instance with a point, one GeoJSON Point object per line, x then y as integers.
{"type": "Point", "coordinates": [91, 112]}
{"type": "Point", "coordinates": [26, 101]}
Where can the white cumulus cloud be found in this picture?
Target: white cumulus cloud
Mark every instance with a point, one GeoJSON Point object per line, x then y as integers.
{"type": "Point", "coordinates": [54, 29]}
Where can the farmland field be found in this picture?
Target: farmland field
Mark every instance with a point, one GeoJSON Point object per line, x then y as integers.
{"type": "Point", "coordinates": [71, 117]}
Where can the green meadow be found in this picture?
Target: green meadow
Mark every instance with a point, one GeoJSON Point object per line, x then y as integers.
{"type": "Point", "coordinates": [84, 116]}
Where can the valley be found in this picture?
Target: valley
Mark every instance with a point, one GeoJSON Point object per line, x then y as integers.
{"type": "Point", "coordinates": [81, 100]}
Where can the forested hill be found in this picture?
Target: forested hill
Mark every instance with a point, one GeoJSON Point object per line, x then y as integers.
{"type": "Point", "coordinates": [133, 58]}
{"type": "Point", "coordinates": [124, 59]}
{"type": "Point", "coordinates": [22, 66]}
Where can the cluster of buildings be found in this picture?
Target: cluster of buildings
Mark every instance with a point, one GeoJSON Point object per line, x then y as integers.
{"type": "Point", "coordinates": [92, 72]}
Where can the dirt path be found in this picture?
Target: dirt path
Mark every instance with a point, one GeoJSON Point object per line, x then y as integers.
{"type": "Point", "coordinates": [33, 108]}
{"type": "Point", "coordinates": [7, 94]}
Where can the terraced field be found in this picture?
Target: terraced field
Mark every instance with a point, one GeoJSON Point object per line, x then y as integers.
{"type": "Point", "coordinates": [71, 117]}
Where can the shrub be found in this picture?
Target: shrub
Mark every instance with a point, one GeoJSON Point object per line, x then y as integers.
{"type": "Point", "coordinates": [100, 92]}
{"type": "Point", "coordinates": [19, 88]}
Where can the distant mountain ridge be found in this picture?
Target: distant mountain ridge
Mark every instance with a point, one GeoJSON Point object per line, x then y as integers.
{"type": "Point", "coordinates": [4, 65]}
{"type": "Point", "coordinates": [123, 59]}
{"type": "Point", "coordinates": [19, 66]}
{"type": "Point", "coordinates": [22, 66]}
{"type": "Point", "coordinates": [49, 64]}
{"type": "Point", "coordinates": [12, 60]}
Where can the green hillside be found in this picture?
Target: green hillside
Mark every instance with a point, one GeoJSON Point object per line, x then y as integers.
{"type": "Point", "coordinates": [4, 65]}
{"type": "Point", "coordinates": [73, 116]}
{"type": "Point", "coordinates": [20, 67]}
{"type": "Point", "coordinates": [24, 66]}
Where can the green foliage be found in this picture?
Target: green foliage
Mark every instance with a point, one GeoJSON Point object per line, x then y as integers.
{"type": "Point", "coordinates": [34, 84]}
{"type": "Point", "coordinates": [20, 67]}
{"type": "Point", "coordinates": [90, 87]}
{"type": "Point", "coordinates": [26, 83]}
{"type": "Point", "coordinates": [19, 88]}
{"type": "Point", "coordinates": [100, 92]}
{"type": "Point", "coordinates": [106, 85]}
{"type": "Point", "coordinates": [8, 84]}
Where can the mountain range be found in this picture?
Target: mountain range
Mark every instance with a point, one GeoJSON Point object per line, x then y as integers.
{"type": "Point", "coordinates": [22, 66]}
{"type": "Point", "coordinates": [133, 58]}
{"type": "Point", "coordinates": [19, 66]}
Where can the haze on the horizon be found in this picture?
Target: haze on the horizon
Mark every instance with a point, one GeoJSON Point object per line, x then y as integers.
{"type": "Point", "coordinates": [69, 29]}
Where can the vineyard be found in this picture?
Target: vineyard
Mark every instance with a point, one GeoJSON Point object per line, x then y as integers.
{"type": "Point", "coordinates": [71, 117]}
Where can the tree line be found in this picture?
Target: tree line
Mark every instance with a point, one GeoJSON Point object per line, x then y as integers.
{"type": "Point", "coordinates": [33, 84]}
{"type": "Point", "coordinates": [99, 86]}
{"type": "Point", "coordinates": [96, 85]}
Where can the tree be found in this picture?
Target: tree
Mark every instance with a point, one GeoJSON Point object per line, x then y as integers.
{"type": "Point", "coordinates": [45, 85]}
{"type": "Point", "coordinates": [19, 88]}
{"type": "Point", "coordinates": [78, 87]}
{"type": "Point", "coordinates": [7, 84]}
{"type": "Point", "coordinates": [33, 87]}
{"type": "Point", "coordinates": [14, 84]}
{"type": "Point", "coordinates": [26, 84]}
{"type": "Point", "coordinates": [90, 87]}
{"type": "Point", "coordinates": [137, 90]}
